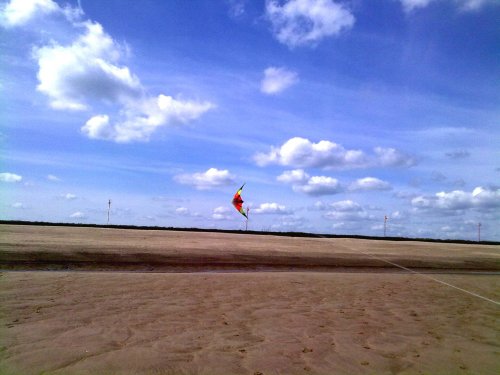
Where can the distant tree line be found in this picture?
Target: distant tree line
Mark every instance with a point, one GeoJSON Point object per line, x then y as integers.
{"type": "Point", "coordinates": [267, 233]}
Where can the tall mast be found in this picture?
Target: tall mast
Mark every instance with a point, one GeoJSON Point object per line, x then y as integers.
{"type": "Point", "coordinates": [109, 208]}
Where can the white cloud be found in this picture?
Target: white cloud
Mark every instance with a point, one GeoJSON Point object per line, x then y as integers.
{"type": "Point", "coordinates": [19, 12]}
{"type": "Point", "coordinates": [307, 22]}
{"type": "Point", "coordinates": [301, 152]}
{"type": "Point", "coordinates": [409, 5]}
{"type": "Point", "coordinates": [51, 177]}
{"type": "Point", "coordinates": [290, 223]}
{"type": "Point", "coordinates": [10, 177]}
{"type": "Point", "coordinates": [182, 211]}
{"type": "Point", "coordinates": [18, 205]}
{"type": "Point", "coordinates": [316, 185]}
{"type": "Point", "coordinates": [89, 70]}
{"type": "Point", "coordinates": [369, 183]}
{"type": "Point", "coordinates": [212, 178]}
{"type": "Point", "coordinates": [270, 208]}
{"type": "Point", "coordinates": [97, 127]}
{"type": "Point", "coordinates": [78, 215]}
{"type": "Point", "coordinates": [277, 80]}
{"type": "Point", "coordinates": [85, 70]}
{"type": "Point", "coordinates": [465, 5]}
{"type": "Point", "coordinates": [480, 198]}
{"type": "Point", "coordinates": [222, 213]}
{"type": "Point", "coordinates": [323, 185]}
{"type": "Point", "coordinates": [236, 8]}
{"type": "Point", "coordinates": [142, 118]}
{"type": "Point", "coordinates": [345, 206]}
{"type": "Point", "coordinates": [347, 211]}
{"type": "Point", "coordinates": [390, 157]}
{"type": "Point", "coordinates": [472, 5]}
{"type": "Point", "coordinates": [69, 196]}
{"type": "Point", "coordinates": [296, 176]}
{"type": "Point", "coordinates": [319, 185]}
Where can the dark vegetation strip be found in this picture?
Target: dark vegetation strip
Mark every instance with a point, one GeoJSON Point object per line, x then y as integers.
{"type": "Point", "coordinates": [218, 267]}
{"type": "Point", "coordinates": [99, 261]}
{"type": "Point", "coordinates": [284, 234]}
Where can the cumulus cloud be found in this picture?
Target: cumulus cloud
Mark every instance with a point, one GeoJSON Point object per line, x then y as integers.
{"type": "Point", "coordinates": [307, 22]}
{"type": "Point", "coordinates": [212, 178]}
{"type": "Point", "coordinates": [320, 185]}
{"type": "Point", "coordinates": [369, 183]}
{"type": "Point", "coordinates": [19, 12]}
{"type": "Point", "coordinates": [296, 176]}
{"type": "Point", "coordinates": [85, 70]}
{"type": "Point", "coordinates": [10, 177]}
{"type": "Point", "coordinates": [316, 185]}
{"type": "Point", "coordinates": [89, 70]}
{"type": "Point", "coordinates": [301, 152]}
{"type": "Point", "coordinates": [270, 208]}
{"type": "Point", "coordinates": [324, 185]}
{"type": "Point", "coordinates": [141, 119]}
{"type": "Point", "coordinates": [480, 198]}
{"type": "Point", "coordinates": [277, 80]}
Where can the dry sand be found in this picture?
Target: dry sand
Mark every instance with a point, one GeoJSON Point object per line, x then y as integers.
{"type": "Point", "coordinates": [100, 248]}
{"type": "Point", "coordinates": [244, 323]}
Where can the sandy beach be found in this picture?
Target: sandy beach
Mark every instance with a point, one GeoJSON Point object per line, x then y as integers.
{"type": "Point", "coordinates": [305, 322]}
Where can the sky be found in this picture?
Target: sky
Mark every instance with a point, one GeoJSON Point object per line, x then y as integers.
{"type": "Point", "coordinates": [335, 114]}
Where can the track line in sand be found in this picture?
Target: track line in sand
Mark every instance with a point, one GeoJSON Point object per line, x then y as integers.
{"type": "Point", "coordinates": [432, 278]}
{"type": "Point", "coordinates": [428, 277]}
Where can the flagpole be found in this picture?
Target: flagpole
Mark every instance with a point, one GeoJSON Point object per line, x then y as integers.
{"type": "Point", "coordinates": [109, 208]}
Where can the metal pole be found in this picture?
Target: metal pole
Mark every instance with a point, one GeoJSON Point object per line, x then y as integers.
{"type": "Point", "coordinates": [385, 225]}
{"type": "Point", "coordinates": [109, 208]}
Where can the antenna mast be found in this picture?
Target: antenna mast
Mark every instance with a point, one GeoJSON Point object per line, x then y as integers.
{"type": "Point", "coordinates": [109, 208]}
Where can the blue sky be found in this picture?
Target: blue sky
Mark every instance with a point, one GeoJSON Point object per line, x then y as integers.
{"type": "Point", "coordinates": [335, 114]}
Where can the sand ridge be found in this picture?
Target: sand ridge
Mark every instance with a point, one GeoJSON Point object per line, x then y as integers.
{"type": "Point", "coordinates": [39, 247]}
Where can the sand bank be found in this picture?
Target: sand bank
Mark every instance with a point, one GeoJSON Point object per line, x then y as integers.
{"type": "Point", "coordinates": [38, 247]}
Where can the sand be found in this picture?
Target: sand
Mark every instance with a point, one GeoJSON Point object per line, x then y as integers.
{"type": "Point", "coordinates": [303, 322]}
{"type": "Point", "coordinates": [43, 247]}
